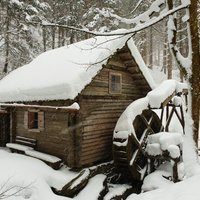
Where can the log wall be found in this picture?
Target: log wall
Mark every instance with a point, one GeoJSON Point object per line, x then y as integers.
{"type": "Point", "coordinates": [100, 110]}
{"type": "Point", "coordinates": [55, 138]}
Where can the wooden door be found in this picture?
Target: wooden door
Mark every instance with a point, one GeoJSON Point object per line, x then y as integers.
{"type": "Point", "coordinates": [4, 129]}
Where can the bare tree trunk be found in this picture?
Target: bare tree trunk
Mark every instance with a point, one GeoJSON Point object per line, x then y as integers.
{"type": "Point", "coordinates": [151, 48]}
{"type": "Point", "coordinates": [63, 37]}
{"type": "Point", "coordinates": [7, 40]}
{"type": "Point", "coordinates": [44, 38]}
{"type": "Point", "coordinates": [53, 32]}
{"type": "Point", "coordinates": [195, 80]}
{"type": "Point", "coordinates": [169, 66]}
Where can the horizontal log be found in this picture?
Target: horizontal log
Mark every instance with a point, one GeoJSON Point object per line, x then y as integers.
{"type": "Point", "coordinates": [96, 134]}
{"type": "Point", "coordinates": [102, 116]}
{"type": "Point", "coordinates": [93, 158]}
{"type": "Point", "coordinates": [99, 127]}
{"type": "Point", "coordinates": [96, 144]}
{"type": "Point", "coordinates": [117, 68]}
{"type": "Point", "coordinates": [119, 110]}
{"type": "Point", "coordinates": [95, 151]}
{"type": "Point", "coordinates": [104, 131]}
{"type": "Point", "coordinates": [125, 55]}
{"type": "Point", "coordinates": [103, 139]}
{"type": "Point", "coordinates": [132, 68]}
{"type": "Point", "coordinates": [121, 154]}
{"type": "Point", "coordinates": [39, 107]}
{"type": "Point", "coordinates": [90, 122]}
{"type": "Point", "coordinates": [116, 61]}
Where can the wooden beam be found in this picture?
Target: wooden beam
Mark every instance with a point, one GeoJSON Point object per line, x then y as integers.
{"type": "Point", "coordinates": [3, 111]}
{"type": "Point", "coordinates": [39, 107]}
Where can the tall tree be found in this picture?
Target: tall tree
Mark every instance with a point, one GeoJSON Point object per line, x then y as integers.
{"type": "Point", "coordinates": [19, 31]}
{"type": "Point", "coordinates": [190, 65]}
{"type": "Point", "coordinates": [195, 78]}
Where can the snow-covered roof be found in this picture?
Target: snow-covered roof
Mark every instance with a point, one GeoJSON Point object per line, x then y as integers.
{"type": "Point", "coordinates": [64, 72]}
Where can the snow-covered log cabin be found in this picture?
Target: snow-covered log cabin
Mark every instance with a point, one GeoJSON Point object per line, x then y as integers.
{"type": "Point", "coordinates": [102, 75]}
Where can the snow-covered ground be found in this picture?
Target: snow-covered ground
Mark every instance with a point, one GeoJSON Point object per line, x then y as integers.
{"type": "Point", "coordinates": [32, 179]}
{"type": "Point", "coordinates": [187, 189]}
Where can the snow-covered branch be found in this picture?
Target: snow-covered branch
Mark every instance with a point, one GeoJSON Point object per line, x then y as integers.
{"type": "Point", "coordinates": [156, 7]}
{"type": "Point", "coordinates": [140, 26]}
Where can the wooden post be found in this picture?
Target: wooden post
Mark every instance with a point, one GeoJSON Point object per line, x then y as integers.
{"type": "Point", "coordinates": [169, 119]}
{"type": "Point", "coordinates": [12, 126]}
{"type": "Point", "coordinates": [175, 170]}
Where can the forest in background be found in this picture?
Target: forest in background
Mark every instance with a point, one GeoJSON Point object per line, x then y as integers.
{"type": "Point", "coordinates": [23, 34]}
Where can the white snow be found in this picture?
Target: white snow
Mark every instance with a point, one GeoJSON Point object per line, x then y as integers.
{"type": "Point", "coordinates": [172, 142]}
{"type": "Point", "coordinates": [18, 147]}
{"type": "Point", "coordinates": [189, 156]}
{"type": "Point", "coordinates": [155, 180]}
{"type": "Point", "coordinates": [162, 92]}
{"type": "Point", "coordinates": [157, 75]}
{"type": "Point", "coordinates": [174, 151]}
{"type": "Point", "coordinates": [153, 149]}
{"type": "Point", "coordinates": [177, 101]}
{"type": "Point", "coordinates": [79, 179]}
{"type": "Point", "coordinates": [116, 190]}
{"type": "Point", "coordinates": [184, 190]}
{"type": "Point", "coordinates": [125, 122]}
{"type": "Point", "coordinates": [92, 190]}
{"type": "Point", "coordinates": [119, 144]}
{"type": "Point", "coordinates": [74, 106]}
{"type": "Point", "coordinates": [34, 175]}
{"type": "Point", "coordinates": [42, 156]}
{"type": "Point", "coordinates": [64, 72]}
{"type": "Point", "coordinates": [168, 138]}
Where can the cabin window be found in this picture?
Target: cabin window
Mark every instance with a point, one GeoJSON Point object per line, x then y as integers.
{"type": "Point", "coordinates": [115, 83]}
{"type": "Point", "coordinates": [34, 120]}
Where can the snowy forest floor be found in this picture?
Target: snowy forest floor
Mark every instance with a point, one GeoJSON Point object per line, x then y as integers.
{"type": "Point", "coordinates": [23, 177]}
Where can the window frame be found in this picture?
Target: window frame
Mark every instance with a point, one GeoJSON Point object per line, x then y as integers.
{"type": "Point", "coordinates": [111, 91]}
{"type": "Point", "coordinates": [33, 120]}
{"type": "Point", "coordinates": [40, 120]}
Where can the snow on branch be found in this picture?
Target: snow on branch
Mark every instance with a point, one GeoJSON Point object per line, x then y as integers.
{"type": "Point", "coordinates": [140, 26]}
{"type": "Point", "coordinates": [155, 7]}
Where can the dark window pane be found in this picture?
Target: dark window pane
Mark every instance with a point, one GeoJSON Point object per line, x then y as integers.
{"type": "Point", "coordinates": [33, 120]}
{"type": "Point", "coordinates": [115, 83]}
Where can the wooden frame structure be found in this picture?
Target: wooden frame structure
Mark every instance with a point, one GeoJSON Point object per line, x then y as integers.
{"type": "Point", "coordinates": [129, 153]}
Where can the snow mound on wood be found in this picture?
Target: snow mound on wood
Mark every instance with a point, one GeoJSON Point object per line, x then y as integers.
{"type": "Point", "coordinates": [64, 72]}
{"type": "Point", "coordinates": [93, 189]}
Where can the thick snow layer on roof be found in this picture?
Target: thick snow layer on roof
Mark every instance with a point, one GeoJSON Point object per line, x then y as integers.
{"type": "Point", "coordinates": [62, 73]}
